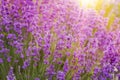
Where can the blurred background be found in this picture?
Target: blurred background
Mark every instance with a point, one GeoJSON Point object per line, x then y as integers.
{"type": "Point", "coordinates": [109, 8]}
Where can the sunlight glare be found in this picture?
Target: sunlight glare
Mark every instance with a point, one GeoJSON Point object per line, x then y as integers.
{"type": "Point", "coordinates": [87, 3]}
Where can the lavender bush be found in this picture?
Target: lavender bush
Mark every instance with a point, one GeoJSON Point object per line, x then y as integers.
{"type": "Point", "coordinates": [57, 40]}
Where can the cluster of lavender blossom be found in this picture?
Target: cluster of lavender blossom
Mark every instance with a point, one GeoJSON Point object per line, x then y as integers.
{"type": "Point", "coordinates": [57, 40]}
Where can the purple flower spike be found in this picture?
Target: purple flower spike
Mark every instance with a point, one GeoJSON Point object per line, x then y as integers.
{"type": "Point", "coordinates": [11, 75]}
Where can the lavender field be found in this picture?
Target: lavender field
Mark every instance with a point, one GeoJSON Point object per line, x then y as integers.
{"type": "Point", "coordinates": [59, 39]}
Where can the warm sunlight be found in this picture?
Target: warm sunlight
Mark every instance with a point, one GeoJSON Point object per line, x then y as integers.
{"type": "Point", "coordinates": [88, 3]}
{"type": "Point", "coordinates": [59, 39]}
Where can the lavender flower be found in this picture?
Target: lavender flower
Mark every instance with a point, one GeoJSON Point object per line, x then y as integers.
{"type": "Point", "coordinates": [60, 75]}
{"type": "Point", "coordinates": [26, 64]}
{"type": "Point", "coordinates": [1, 60]}
{"type": "Point", "coordinates": [11, 75]}
{"type": "Point", "coordinates": [37, 78]}
{"type": "Point", "coordinates": [57, 38]}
